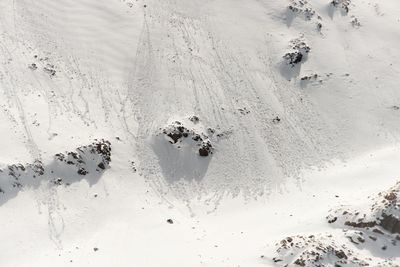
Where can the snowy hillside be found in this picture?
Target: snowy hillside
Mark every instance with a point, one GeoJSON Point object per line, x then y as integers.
{"type": "Point", "coordinates": [199, 133]}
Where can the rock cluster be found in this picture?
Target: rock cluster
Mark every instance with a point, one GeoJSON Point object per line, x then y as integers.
{"type": "Point", "coordinates": [176, 133]}
{"type": "Point", "coordinates": [48, 68]}
{"type": "Point", "coordinates": [302, 7]}
{"type": "Point", "coordinates": [95, 157]}
{"type": "Point", "coordinates": [384, 212]}
{"type": "Point", "coordinates": [15, 174]}
{"type": "Point", "coordinates": [299, 52]}
{"type": "Point", "coordinates": [309, 77]}
{"type": "Point", "coordinates": [375, 227]}
{"type": "Point", "coordinates": [97, 154]}
{"type": "Point", "coordinates": [342, 4]}
{"type": "Point", "coordinates": [315, 251]}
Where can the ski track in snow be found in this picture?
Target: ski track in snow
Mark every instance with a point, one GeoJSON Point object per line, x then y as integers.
{"type": "Point", "coordinates": [181, 59]}
{"type": "Point", "coordinates": [196, 78]}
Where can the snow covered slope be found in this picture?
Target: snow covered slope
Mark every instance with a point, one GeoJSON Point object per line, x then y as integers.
{"type": "Point", "coordinates": [243, 122]}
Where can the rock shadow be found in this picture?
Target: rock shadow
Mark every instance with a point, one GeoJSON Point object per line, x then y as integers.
{"type": "Point", "coordinates": [180, 162]}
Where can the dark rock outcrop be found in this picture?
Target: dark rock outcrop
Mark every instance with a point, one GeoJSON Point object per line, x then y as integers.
{"type": "Point", "coordinates": [69, 166]}
{"type": "Point", "coordinates": [177, 133]}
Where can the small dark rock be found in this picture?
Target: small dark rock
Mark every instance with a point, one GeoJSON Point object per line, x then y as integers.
{"type": "Point", "coordinates": [194, 119]}
{"type": "Point", "coordinates": [340, 254]}
{"type": "Point", "coordinates": [101, 166]}
{"type": "Point", "coordinates": [334, 219]}
{"type": "Point", "coordinates": [203, 152]}
{"type": "Point", "coordinates": [276, 119]}
{"type": "Point", "coordinates": [82, 171]}
{"type": "Point", "coordinates": [33, 66]}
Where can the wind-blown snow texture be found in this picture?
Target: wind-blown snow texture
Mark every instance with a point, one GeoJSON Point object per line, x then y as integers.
{"type": "Point", "coordinates": [244, 122]}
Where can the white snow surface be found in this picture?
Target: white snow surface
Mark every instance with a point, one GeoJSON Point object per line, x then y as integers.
{"type": "Point", "coordinates": [289, 142]}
